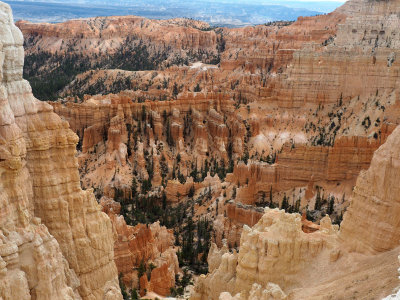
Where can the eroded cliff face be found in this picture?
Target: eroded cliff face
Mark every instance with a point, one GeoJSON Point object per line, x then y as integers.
{"type": "Point", "coordinates": [264, 104]}
{"type": "Point", "coordinates": [278, 260]}
{"type": "Point", "coordinates": [247, 105]}
{"type": "Point", "coordinates": [150, 247]}
{"type": "Point", "coordinates": [358, 61]}
{"type": "Point", "coordinates": [248, 57]}
{"type": "Point", "coordinates": [55, 243]}
{"type": "Point", "coordinates": [375, 201]}
{"type": "Point", "coordinates": [275, 250]}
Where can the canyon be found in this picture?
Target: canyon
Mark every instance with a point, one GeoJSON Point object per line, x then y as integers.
{"type": "Point", "coordinates": [277, 259]}
{"type": "Point", "coordinates": [249, 163]}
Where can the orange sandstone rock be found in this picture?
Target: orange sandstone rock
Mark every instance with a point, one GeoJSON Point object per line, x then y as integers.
{"type": "Point", "coordinates": [55, 243]}
{"type": "Point", "coordinates": [143, 244]}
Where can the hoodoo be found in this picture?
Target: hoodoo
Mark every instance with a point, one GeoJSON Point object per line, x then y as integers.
{"type": "Point", "coordinates": [278, 260]}
{"type": "Point", "coordinates": [55, 243]}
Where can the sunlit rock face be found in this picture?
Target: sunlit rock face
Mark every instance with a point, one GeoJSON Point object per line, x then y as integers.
{"type": "Point", "coordinates": [55, 243]}
{"type": "Point", "coordinates": [376, 200]}
{"type": "Point", "coordinates": [277, 258]}
{"type": "Point", "coordinates": [275, 250]}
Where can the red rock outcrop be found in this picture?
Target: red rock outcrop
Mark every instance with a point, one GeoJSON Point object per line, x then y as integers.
{"type": "Point", "coordinates": [358, 61]}
{"type": "Point", "coordinates": [143, 245]}
{"type": "Point", "coordinates": [298, 166]}
{"type": "Point", "coordinates": [103, 35]}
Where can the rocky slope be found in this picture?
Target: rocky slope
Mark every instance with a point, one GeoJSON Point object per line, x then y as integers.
{"type": "Point", "coordinates": [137, 44]}
{"type": "Point", "coordinates": [143, 248]}
{"type": "Point", "coordinates": [55, 243]}
{"type": "Point", "coordinates": [277, 260]}
{"type": "Point", "coordinates": [121, 140]}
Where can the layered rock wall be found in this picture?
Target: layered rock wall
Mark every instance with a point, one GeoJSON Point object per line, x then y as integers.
{"type": "Point", "coordinates": [375, 201]}
{"type": "Point", "coordinates": [358, 61]}
{"type": "Point", "coordinates": [298, 166]}
{"type": "Point", "coordinates": [55, 242]}
{"type": "Point", "coordinates": [319, 263]}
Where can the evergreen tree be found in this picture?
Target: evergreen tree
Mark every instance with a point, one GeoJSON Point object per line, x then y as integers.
{"type": "Point", "coordinates": [134, 187]}
{"type": "Point", "coordinates": [141, 269]}
{"type": "Point", "coordinates": [270, 197]}
{"type": "Point", "coordinates": [331, 206]}
{"type": "Point", "coordinates": [181, 177]}
{"type": "Point", "coordinates": [318, 203]}
{"type": "Point", "coordinates": [170, 141]}
{"type": "Point", "coordinates": [297, 206]}
{"type": "Point", "coordinates": [134, 295]}
{"type": "Point", "coordinates": [146, 186]}
{"type": "Point", "coordinates": [234, 193]}
{"type": "Point", "coordinates": [285, 203]}
{"type": "Point", "coordinates": [164, 167]}
{"type": "Point", "coordinates": [164, 200]}
{"type": "Point", "coordinates": [197, 88]}
{"type": "Point", "coordinates": [263, 198]}
{"type": "Point", "coordinates": [245, 157]}
{"type": "Point", "coordinates": [194, 174]}
{"type": "Point", "coordinates": [191, 192]}
{"type": "Point", "coordinates": [175, 90]}
{"type": "Point", "coordinates": [123, 287]}
{"type": "Point", "coordinates": [144, 114]}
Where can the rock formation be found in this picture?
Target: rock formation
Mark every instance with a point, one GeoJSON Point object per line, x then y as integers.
{"type": "Point", "coordinates": [363, 41]}
{"type": "Point", "coordinates": [276, 251]}
{"type": "Point", "coordinates": [375, 201]}
{"type": "Point", "coordinates": [298, 166]}
{"type": "Point", "coordinates": [55, 243]}
{"type": "Point", "coordinates": [263, 103]}
{"type": "Point", "coordinates": [143, 245]}
{"type": "Point", "coordinates": [210, 123]}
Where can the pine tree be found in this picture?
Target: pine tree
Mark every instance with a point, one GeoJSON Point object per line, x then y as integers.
{"type": "Point", "coordinates": [133, 187]}
{"type": "Point", "coordinates": [318, 200]}
{"type": "Point", "coordinates": [141, 269]}
{"type": "Point", "coordinates": [134, 295]}
{"type": "Point", "coordinates": [191, 192]}
{"type": "Point", "coordinates": [164, 200]}
{"type": "Point", "coordinates": [297, 206]}
{"type": "Point", "coordinates": [285, 203]}
{"type": "Point", "coordinates": [170, 140]}
{"type": "Point", "coordinates": [270, 197]}
{"type": "Point", "coordinates": [263, 198]}
{"type": "Point", "coordinates": [331, 206]}
{"type": "Point", "coordinates": [122, 287]}
{"type": "Point", "coordinates": [194, 174]}
{"type": "Point", "coordinates": [144, 114]}
{"type": "Point", "coordinates": [175, 90]}
{"type": "Point", "coordinates": [197, 88]}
